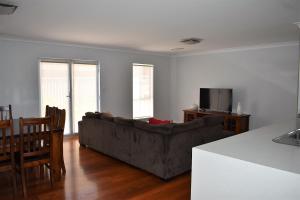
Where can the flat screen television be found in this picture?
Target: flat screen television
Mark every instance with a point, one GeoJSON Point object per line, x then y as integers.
{"type": "Point", "coordinates": [216, 99]}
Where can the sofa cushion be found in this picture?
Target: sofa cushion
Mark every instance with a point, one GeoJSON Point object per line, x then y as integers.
{"type": "Point", "coordinates": [89, 114]}
{"type": "Point", "coordinates": [181, 127]}
{"type": "Point", "coordinates": [93, 115]}
{"type": "Point", "coordinates": [155, 121]}
{"type": "Point", "coordinates": [162, 128]}
{"type": "Point", "coordinates": [123, 121]}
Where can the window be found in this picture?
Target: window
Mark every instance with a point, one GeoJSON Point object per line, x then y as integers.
{"type": "Point", "coordinates": [142, 86]}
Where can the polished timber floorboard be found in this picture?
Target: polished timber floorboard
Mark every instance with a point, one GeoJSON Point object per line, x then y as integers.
{"type": "Point", "coordinates": [92, 175]}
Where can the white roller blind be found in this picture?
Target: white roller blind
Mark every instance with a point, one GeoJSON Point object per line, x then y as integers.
{"type": "Point", "coordinates": [142, 91]}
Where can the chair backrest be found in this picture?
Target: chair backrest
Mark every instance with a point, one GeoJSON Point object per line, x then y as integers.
{"type": "Point", "coordinates": [35, 136]}
{"type": "Point", "coordinates": [58, 116]}
{"type": "Point", "coordinates": [6, 139]}
{"type": "Point", "coordinates": [5, 112]}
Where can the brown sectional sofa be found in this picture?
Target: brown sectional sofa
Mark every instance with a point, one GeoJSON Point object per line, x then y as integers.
{"type": "Point", "coordinates": [163, 150]}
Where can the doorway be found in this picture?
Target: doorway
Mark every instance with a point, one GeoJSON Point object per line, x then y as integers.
{"type": "Point", "coordinates": [72, 85]}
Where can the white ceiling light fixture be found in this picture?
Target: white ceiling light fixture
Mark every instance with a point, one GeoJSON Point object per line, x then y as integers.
{"type": "Point", "coordinates": [191, 41]}
{"type": "Point", "coordinates": [7, 9]}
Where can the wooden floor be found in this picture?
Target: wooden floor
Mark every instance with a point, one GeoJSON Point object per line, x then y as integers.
{"type": "Point", "coordinates": [91, 175]}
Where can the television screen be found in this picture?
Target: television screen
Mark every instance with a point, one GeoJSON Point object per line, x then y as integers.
{"type": "Point", "coordinates": [216, 99]}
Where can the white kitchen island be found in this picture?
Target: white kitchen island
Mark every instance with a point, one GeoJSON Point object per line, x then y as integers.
{"type": "Point", "coordinates": [248, 166]}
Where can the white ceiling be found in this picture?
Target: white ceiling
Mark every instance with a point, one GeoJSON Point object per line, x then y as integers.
{"type": "Point", "coordinates": [155, 25]}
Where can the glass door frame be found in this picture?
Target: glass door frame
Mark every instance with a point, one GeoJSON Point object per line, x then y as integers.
{"type": "Point", "coordinates": [70, 63]}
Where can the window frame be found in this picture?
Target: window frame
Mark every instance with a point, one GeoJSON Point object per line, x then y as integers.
{"type": "Point", "coordinates": [152, 92]}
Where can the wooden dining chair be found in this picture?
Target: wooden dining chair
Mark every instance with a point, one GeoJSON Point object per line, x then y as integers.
{"type": "Point", "coordinates": [5, 112]}
{"type": "Point", "coordinates": [35, 146]}
{"type": "Point", "coordinates": [59, 117]}
{"type": "Point", "coordinates": [7, 148]}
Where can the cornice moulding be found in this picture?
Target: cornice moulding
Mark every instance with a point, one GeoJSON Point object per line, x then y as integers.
{"type": "Point", "coordinates": [66, 44]}
{"type": "Point", "coordinates": [244, 48]}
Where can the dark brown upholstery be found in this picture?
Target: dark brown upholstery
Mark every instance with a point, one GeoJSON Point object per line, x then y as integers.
{"type": "Point", "coordinates": [163, 150]}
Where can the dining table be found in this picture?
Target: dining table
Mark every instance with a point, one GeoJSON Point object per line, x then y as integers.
{"type": "Point", "coordinates": [56, 148]}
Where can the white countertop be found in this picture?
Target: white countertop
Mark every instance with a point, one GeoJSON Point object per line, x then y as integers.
{"type": "Point", "coordinates": [256, 146]}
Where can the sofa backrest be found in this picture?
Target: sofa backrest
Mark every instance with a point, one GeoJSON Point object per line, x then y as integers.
{"type": "Point", "coordinates": [123, 121]}
{"type": "Point", "coordinates": [165, 129]}
{"type": "Point", "coordinates": [183, 127]}
{"type": "Point", "coordinates": [212, 120]}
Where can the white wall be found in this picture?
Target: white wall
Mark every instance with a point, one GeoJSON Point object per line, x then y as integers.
{"type": "Point", "coordinates": [19, 75]}
{"type": "Point", "coordinates": [264, 81]}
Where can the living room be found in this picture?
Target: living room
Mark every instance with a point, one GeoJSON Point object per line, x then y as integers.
{"type": "Point", "coordinates": [249, 47]}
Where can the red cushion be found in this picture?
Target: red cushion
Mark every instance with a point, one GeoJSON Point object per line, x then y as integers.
{"type": "Point", "coordinates": [155, 121]}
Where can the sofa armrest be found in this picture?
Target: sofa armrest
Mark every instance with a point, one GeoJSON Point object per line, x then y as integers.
{"type": "Point", "coordinates": [179, 151]}
{"type": "Point", "coordinates": [180, 144]}
{"type": "Point", "coordinates": [82, 135]}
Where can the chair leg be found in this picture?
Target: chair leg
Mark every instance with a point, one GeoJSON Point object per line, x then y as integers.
{"type": "Point", "coordinates": [26, 173]}
{"type": "Point", "coordinates": [14, 181]}
{"type": "Point", "coordinates": [51, 176]}
{"type": "Point", "coordinates": [42, 171]}
{"type": "Point", "coordinates": [62, 155]}
{"type": "Point", "coordinates": [63, 166]}
{"type": "Point", "coordinates": [23, 179]}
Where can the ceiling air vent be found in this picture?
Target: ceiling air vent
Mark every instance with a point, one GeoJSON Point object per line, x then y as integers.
{"type": "Point", "coordinates": [7, 9]}
{"type": "Point", "coordinates": [177, 49]}
{"type": "Point", "coordinates": [191, 41]}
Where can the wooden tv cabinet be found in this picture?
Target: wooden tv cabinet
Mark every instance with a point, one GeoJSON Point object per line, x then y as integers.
{"type": "Point", "coordinates": [232, 122]}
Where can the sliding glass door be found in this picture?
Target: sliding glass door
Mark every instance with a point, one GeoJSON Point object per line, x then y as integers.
{"type": "Point", "coordinates": [85, 91]}
{"type": "Point", "coordinates": [71, 85]}
{"type": "Point", "coordinates": [55, 88]}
